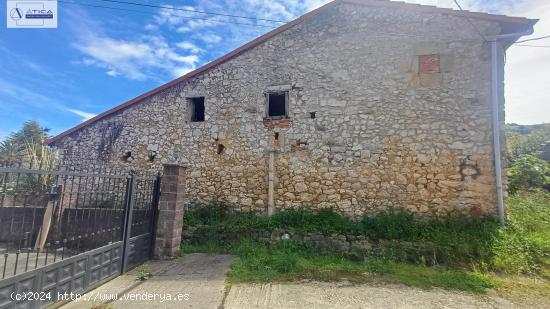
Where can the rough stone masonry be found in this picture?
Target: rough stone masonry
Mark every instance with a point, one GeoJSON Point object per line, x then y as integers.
{"type": "Point", "coordinates": [362, 108]}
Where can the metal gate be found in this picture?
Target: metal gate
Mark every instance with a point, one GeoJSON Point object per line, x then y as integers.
{"type": "Point", "coordinates": [63, 232]}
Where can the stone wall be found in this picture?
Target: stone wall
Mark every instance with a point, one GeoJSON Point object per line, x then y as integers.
{"type": "Point", "coordinates": [351, 245]}
{"type": "Point", "coordinates": [384, 134]}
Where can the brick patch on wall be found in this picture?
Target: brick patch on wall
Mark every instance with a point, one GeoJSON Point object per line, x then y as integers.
{"type": "Point", "coordinates": [428, 64]}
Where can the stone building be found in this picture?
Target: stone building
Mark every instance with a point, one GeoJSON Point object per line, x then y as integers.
{"type": "Point", "coordinates": [360, 105]}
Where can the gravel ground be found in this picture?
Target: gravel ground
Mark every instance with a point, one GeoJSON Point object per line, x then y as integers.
{"type": "Point", "coordinates": [342, 295]}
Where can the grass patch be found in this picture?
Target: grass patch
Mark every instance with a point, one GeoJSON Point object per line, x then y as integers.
{"type": "Point", "coordinates": [475, 249]}
{"type": "Point", "coordinates": [523, 247]}
{"type": "Point", "coordinates": [291, 261]}
{"type": "Point", "coordinates": [522, 288]}
{"type": "Point", "coordinates": [457, 239]}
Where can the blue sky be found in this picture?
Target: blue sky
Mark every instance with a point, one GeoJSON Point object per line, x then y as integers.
{"type": "Point", "coordinates": [98, 58]}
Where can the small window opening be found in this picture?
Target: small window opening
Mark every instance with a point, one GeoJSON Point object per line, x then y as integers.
{"type": "Point", "coordinates": [312, 115]}
{"type": "Point", "coordinates": [221, 149]}
{"type": "Point", "coordinates": [277, 103]}
{"type": "Point", "coordinates": [152, 156]}
{"type": "Point", "coordinates": [276, 136]}
{"type": "Point", "coordinates": [127, 157]}
{"type": "Point", "coordinates": [197, 109]}
{"type": "Point", "coordinates": [300, 142]}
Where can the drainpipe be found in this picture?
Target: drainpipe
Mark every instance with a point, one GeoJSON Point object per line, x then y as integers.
{"type": "Point", "coordinates": [496, 102]}
{"type": "Point", "coordinates": [271, 183]}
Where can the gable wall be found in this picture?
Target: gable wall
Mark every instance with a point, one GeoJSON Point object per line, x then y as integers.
{"type": "Point", "coordinates": [384, 135]}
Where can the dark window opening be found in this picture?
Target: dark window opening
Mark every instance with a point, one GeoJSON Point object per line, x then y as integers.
{"type": "Point", "coordinates": [221, 148]}
{"type": "Point", "coordinates": [127, 157]}
{"type": "Point", "coordinates": [277, 104]}
{"type": "Point", "coordinates": [276, 136]}
{"type": "Point", "coordinates": [152, 156]}
{"type": "Point", "coordinates": [312, 115]}
{"type": "Point", "coordinates": [300, 142]}
{"type": "Point", "coordinates": [197, 109]}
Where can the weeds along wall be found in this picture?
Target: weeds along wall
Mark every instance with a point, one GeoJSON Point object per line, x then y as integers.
{"type": "Point", "coordinates": [396, 235]}
{"type": "Point", "coordinates": [384, 108]}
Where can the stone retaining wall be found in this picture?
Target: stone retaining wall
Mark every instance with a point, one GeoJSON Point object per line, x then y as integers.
{"type": "Point", "coordinates": [353, 246]}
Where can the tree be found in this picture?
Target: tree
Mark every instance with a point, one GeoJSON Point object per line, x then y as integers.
{"type": "Point", "coordinates": [27, 147]}
{"type": "Point", "coordinates": [527, 173]}
{"type": "Point", "coordinates": [526, 140]}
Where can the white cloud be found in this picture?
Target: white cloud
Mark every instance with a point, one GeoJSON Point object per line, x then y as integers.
{"type": "Point", "coordinates": [183, 29]}
{"type": "Point", "coordinates": [171, 16]}
{"type": "Point", "coordinates": [85, 115]}
{"type": "Point", "coordinates": [150, 27]}
{"type": "Point", "coordinates": [137, 59]}
{"type": "Point", "coordinates": [27, 95]}
{"type": "Point", "coordinates": [313, 4]}
{"type": "Point", "coordinates": [37, 100]}
{"type": "Point", "coordinates": [180, 71]}
{"type": "Point", "coordinates": [190, 60]}
{"type": "Point", "coordinates": [186, 45]}
{"type": "Point", "coordinates": [528, 71]}
{"type": "Point", "coordinates": [209, 37]}
{"type": "Point", "coordinates": [112, 73]}
{"type": "Point", "coordinates": [116, 55]}
{"type": "Point", "coordinates": [272, 9]}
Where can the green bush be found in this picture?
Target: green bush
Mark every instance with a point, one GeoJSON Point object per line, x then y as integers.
{"type": "Point", "coordinates": [526, 139]}
{"type": "Point", "coordinates": [392, 225]}
{"type": "Point", "coordinates": [208, 214]}
{"type": "Point", "coordinates": [522, 247]}
{"type": "Point", "coordinates": [527, 173]}
{"type": "Point", "coordinates": [325, 221]}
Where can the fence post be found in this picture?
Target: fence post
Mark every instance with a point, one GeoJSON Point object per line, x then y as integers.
{"type": "Point", "coordinates": [128, 212]}
{"type": "Point", "coordinates": [155, 216]}
{"type": "Point", "coordinates": [170, 212]}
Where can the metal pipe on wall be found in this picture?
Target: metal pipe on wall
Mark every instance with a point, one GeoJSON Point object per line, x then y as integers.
{"type": "Point", "coordinates": [271, 184]}
{"type": "Point", "coordinates": [495, 94]}
{"type": "Point", "coordinates": [496, 99]}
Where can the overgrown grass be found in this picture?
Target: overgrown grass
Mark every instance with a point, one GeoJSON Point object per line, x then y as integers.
{"type": "Point", "coordinates": [291, 260]}
{"type": "Point", "coordinates": [458, 239]}
{"type": "Point", "coordinates": [523, 247]}
{"type": "Point", "coordinates": [521, 288]}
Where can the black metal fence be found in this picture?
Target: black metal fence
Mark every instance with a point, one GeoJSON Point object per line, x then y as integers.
{"type": "Point", "coordinates": [50, 215]}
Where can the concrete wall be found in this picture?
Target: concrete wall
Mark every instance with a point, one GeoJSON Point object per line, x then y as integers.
{"type": "Point", "coordinates": [384, 134]}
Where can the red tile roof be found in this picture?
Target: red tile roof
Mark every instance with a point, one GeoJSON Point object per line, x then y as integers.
{"type": "Point", "coordinates": [380, 3]}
